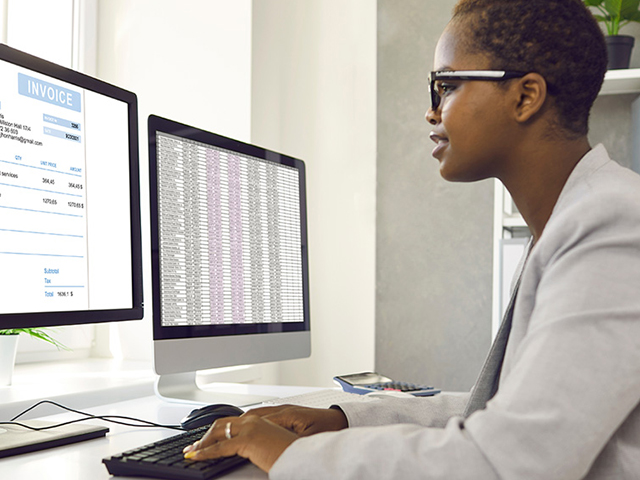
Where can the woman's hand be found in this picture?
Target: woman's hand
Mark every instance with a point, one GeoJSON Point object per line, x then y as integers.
{"type": "Point", "coordinates": [303, 421]}
{"type": "Point", "coordinates": [262, 434]}
{"type": "Point", "coordinates": [252, 437]}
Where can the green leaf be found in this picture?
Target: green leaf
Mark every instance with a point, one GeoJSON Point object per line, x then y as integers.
{"type": "Point", "coordinates": [39, 333]}
{"type": "Point", "coordinates": [629, 9]}
{"type": "Point", "coordinates": [613, 7]}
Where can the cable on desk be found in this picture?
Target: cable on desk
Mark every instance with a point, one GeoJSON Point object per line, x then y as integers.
{"type": "Point", "coordinates": [107, 418]}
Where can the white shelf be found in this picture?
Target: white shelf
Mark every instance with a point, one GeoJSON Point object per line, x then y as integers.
{"type": "Point", "coordinates": [514, 221]}
{"type": "Point", "coordinates": [617, 82]}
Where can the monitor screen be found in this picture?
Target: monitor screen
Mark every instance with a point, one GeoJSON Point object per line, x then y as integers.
{"type": "Point", "coordinates": [69, 197]}
{"type": "Point", "coordinates": [229, 251]}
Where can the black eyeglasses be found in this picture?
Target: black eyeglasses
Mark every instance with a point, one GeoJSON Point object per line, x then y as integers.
{"type": "Point", "coordinates": [438, 88]}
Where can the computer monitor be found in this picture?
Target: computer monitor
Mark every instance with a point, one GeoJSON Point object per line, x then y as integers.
{"type": "Point", "coordinates": [229, 257]}
{"type": "Point", "coordinates": [70, 248]}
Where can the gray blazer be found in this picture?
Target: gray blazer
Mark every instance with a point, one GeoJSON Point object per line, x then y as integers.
{"type": "Point", "coordinates": [561, 401]}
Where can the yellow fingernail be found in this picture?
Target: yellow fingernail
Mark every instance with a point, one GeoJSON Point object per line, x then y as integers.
{"type": "Point", "coordinates": [190, 454]}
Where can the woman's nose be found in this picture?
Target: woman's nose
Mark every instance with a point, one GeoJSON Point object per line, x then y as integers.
{"type": "Point", "coordinates": [433, 117]}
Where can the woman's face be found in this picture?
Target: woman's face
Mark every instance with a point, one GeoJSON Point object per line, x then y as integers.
{"type": "Point", "coordinates": [472, 126]}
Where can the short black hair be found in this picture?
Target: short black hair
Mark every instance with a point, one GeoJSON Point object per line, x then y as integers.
{"type": "Point", "coordinates": [559, 39]}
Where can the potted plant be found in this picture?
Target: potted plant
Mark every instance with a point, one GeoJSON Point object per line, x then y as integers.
{"type": "Point", "coordinates": [616, 14]}
{"type": "Point", "coordinates": [9, 347]}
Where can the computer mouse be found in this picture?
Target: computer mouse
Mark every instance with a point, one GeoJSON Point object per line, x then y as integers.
{"type": "Point", "coordinates": [209, 414]}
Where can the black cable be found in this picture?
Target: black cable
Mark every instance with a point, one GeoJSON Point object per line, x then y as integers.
{"type": "Point", "coordinates": [107, 418]}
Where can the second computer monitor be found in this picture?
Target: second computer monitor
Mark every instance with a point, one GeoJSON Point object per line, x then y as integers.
{"type": "Point", "coordinates": [229, 256]}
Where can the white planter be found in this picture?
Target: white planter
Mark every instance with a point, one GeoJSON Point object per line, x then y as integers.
{"type": "Point", "coordinates": [8, 349]}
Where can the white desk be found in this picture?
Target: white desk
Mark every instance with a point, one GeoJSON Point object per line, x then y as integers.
{"type": "Point", "coordinates": [83, 461]}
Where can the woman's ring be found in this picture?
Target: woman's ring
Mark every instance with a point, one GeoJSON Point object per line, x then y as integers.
{"type": "Point", "coordinates": [227, 430]}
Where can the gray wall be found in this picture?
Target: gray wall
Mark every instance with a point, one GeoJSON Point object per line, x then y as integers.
{"type": "Point", "coordinates": [434, 238]}
{"type": "Point", "coordinates": [610, 121]}
{"type": "Point", "coordinates": [610, 124]}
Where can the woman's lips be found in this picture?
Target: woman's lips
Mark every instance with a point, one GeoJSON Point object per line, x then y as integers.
{"type": "Point", "coordinates": [441, 141]}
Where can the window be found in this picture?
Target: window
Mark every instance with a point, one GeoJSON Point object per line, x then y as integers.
{"type": "Point", "coordinates": [63, 32]}
{"type": "Point", "coordinates": [43, 28]}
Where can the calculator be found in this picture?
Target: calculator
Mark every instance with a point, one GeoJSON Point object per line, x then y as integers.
{"type": "Point", "coordinates": [369, 382]}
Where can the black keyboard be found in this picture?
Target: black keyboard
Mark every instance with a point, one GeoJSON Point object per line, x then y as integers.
{"type": "Point", "coordinates": [164, 459]}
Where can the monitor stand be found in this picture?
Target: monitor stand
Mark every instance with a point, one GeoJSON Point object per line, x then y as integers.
{"type": "Point", "coordinates": [183, 388]}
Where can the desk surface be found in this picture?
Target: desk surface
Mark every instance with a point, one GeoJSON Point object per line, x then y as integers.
{"type": "Point", "coordinates": [84, 460]}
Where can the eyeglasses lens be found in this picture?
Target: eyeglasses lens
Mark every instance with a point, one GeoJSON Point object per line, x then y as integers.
{"type": "Point", "coordinates": [435, 95]}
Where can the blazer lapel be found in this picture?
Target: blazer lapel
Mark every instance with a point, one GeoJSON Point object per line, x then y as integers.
{"type": "Point", "coordinates": [487, 384]}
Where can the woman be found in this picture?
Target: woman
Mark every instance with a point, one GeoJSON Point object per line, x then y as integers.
{"type": "Point", "coordinates": [513, 85]}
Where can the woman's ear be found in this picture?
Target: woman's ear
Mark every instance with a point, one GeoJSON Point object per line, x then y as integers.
{"type": "Point", "coordinates": [532, 93]}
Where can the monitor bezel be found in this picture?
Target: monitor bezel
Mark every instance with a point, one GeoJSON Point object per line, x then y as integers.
{"type": "Point", "coordinates": [78, 317]}
{"type": "Point", "coordinates": [159, 124]}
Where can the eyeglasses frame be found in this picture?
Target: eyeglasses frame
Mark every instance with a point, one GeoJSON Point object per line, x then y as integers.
{"type": "Point", "coordinates": [467, 75]}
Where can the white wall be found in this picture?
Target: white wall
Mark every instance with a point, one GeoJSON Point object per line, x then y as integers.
{"type": "Point", "coordinates": [189, 61]}
{"type": "Point", "coordinates": [314, 97]}
{"type": "Point", "coordinates": [4, 5]}
{"type": "Point", "coordinates": [304, 86]}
